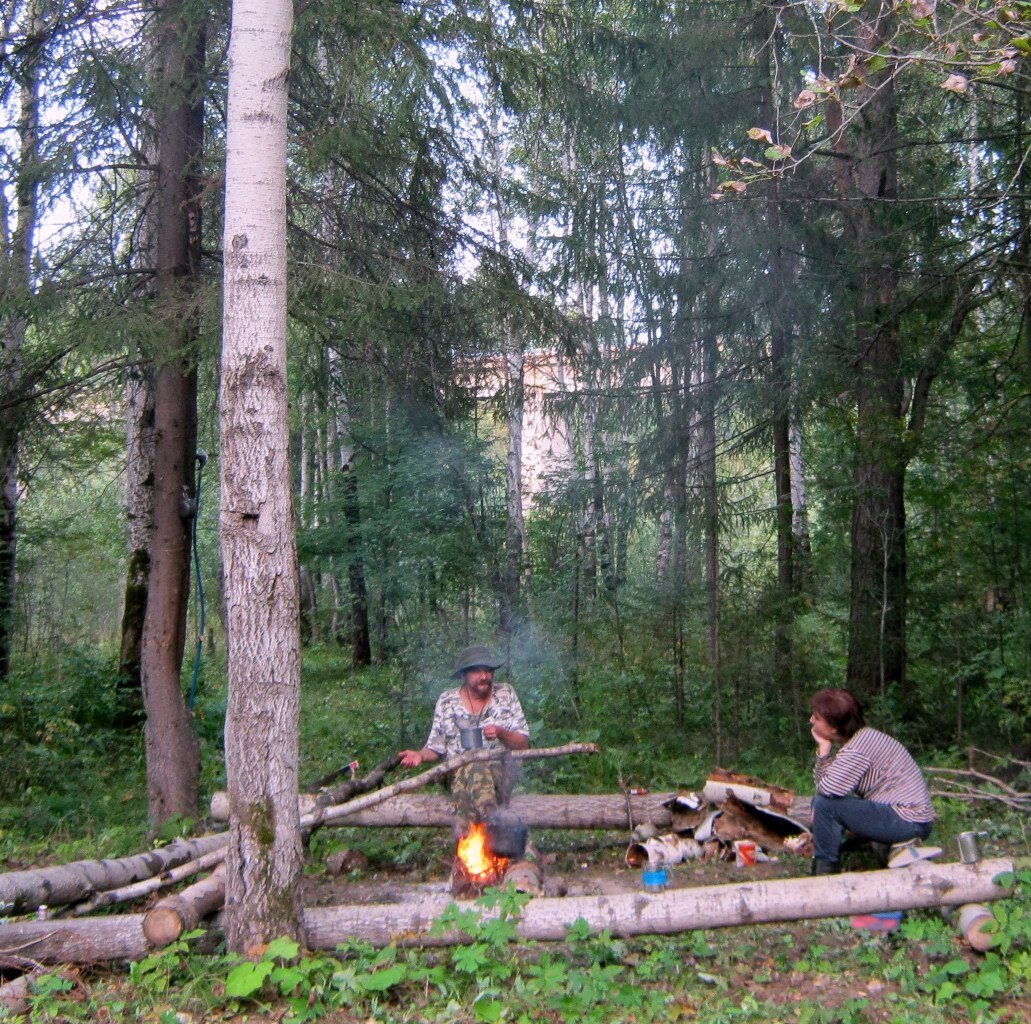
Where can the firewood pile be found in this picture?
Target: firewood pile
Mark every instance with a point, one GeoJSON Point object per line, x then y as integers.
{"type": "Point", "coordinates": [735, 817]}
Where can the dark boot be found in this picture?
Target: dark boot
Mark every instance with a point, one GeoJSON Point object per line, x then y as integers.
{"type": "Point", "coordinates": [823, 867]}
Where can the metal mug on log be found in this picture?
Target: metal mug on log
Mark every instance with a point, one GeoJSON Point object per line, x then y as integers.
{"type": "Point", "coordinates": [970, 846]}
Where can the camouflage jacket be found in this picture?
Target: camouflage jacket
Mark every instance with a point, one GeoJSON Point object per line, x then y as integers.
{"type": "Point", "coordinates": [504, 710]}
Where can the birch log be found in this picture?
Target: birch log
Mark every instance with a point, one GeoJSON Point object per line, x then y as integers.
{"type": "Point", "coordinates": [22, 891]}
{"type": "Point", "coordinates": [165, 880]}
{"type": "Point", "coordinates": [76, 940]}
{"type": "Point", "coordinates": [430, 810]}
{"type": "Point", "coordinates": [924, 884]}
{"type": "Point", "coordinates": [182, 912]}
{"type": "Point", "coordinates": [714, 906]}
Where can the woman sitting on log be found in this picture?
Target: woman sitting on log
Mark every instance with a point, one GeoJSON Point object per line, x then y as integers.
{"type": "Point", "coordinates": [871, 787]}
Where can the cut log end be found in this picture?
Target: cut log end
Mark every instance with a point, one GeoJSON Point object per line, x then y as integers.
{"type": "Point", "coordinates": [974, 925]}
{"type": "Point", "coordinates": [162, 926]}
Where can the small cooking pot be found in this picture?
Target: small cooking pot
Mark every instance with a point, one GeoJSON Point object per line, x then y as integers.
{"type": "Point", "coordinates": [506, 835]}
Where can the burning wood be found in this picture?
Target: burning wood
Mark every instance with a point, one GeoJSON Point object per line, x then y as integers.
{"type": "Point", "coordinates": [491, 853]}
{"type": "Point", "coordinates": [475, 866]}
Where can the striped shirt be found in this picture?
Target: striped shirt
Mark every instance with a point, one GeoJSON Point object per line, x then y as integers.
{"type": "Point", "coordinates": [878, 768]}
{"type": "Point", "coordinates": [503, 710]}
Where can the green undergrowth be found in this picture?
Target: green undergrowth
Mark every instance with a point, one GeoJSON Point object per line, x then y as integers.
{"type": "Point", "coordinates": [811, 973]}
{"type": "Point", "coordinates": [73, 785]}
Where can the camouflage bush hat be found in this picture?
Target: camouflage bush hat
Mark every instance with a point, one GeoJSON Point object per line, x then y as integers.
{"type": "Point", "coordinates": [476, 656]}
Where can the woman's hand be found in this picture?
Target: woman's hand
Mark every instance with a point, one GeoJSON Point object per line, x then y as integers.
{"type": "Point", "coordinates": [823, 745]}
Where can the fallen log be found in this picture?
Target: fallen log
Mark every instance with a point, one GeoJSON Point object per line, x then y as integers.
{"type": "Point", "coordinates": [76, 940]}
{"type": "Point", "coordinates": [22, 891]}
{"type": "Point", "coordinates": [173, 915]}
{"type": "Point", "coordinates": [678, 910]}
{"type": "Point", "coordinates": [148, 885]}
{"type": "Point", "coordinates": [326, 815]}
{"type": "Point", "coordinates": [924, 884]}
{"type": "Point", "coordinates": [334, 814]}
{"type": "Point", "coordinates": [430, 810]}
{"type": "Point", "coordinates": [976, 924]}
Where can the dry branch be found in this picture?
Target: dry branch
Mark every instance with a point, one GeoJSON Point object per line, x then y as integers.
{"type": "Point", "coordinates": [335, 813]}
{"type": "Point", "coordinates": [1000, 757]}
{"type": "Point", "coordinates": [355, 786]}
{"type": "Point", "coordinates": [21, 891]}
{"type": "Point", "coordinates": [972, 773]}
{"type": "Point", "coordinates": [966, 784]}
{"type": "Point", "coordinates": [973, 795]}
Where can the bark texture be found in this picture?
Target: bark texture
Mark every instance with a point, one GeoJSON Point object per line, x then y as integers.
{"type": "Point", "coordinates": [139, 489]}
{"type": "Point", "coordinates": [257, 516]}
{"type": "Point", "coordinates": [16, 283]}
{"type": "Point", "coordinates": [22, 891]}
{"type": "Point", "coordinates": [173, 753]}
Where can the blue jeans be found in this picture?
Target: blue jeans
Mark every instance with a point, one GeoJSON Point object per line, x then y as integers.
{"type": "Point", "coordinates": [832, 815]}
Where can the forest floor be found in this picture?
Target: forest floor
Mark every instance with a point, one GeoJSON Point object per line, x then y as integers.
{"type": "Point", "coordinates": [809, 970]}
{"type": "Point", "coordinates": [804, 972]}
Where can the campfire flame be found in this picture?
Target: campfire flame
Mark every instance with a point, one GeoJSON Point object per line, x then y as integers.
{"type": "Point", "coordinates": [477, 860]}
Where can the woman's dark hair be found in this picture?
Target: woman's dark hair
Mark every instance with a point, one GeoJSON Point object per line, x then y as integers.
{"type": "Point", "coordinates": [840, 710]}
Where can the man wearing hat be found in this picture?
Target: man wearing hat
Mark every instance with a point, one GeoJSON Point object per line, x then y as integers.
{"type": "Point", "coordinates": [479, 703]}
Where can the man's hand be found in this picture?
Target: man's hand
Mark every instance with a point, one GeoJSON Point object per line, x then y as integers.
{"type": "Point", "coordinates": [508, 737]}
{"type": "Point", "coordinates": [414, 758]}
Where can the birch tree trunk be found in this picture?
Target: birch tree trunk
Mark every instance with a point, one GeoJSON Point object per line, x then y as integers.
{"type": "Point", "coordinates": [139, 461]}
{"type": "Point", "coordinates": [515, 401]}
{"type": "Point", "coordinates": [17, 279]}
{"type": "Point", "coordinates": [257, 515]}
{"type": "Point", "coordinates": [139, 499]}
{"type": "Point", "coordinates": [346, 478]}
{"type": "Point", "coordinates": [799, 507]}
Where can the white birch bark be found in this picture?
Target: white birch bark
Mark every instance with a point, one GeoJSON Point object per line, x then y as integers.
{"type": "Point", "coordinates": [257, 516]}
{"type": "Point", "coordinates": [799, 502]}
{"type": "Point", "coordinates": [752, 902]}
